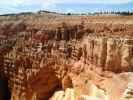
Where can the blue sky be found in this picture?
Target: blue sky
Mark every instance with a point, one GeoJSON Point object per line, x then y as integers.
{"type": "Point", "coordinates": [15, 6]}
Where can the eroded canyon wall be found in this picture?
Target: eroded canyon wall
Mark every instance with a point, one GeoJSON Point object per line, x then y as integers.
{"type": "Point", "coordinates": [39, 58]}
{"type": "Point", "coordinates": [110, 53]}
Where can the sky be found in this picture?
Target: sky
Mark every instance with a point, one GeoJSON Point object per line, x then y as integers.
{"type": "Point", "coordinates": [65, 6]}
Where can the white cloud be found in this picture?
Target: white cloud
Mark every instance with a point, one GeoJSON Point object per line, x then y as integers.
{"type": "Point", "coordinates": [9, 6]}
{"type": "Point", "coordinates": [95, 1]}
{"type": "Point", "coordinates": [25, 2]}
{"type": "Point", "coordinates": [51, 2]}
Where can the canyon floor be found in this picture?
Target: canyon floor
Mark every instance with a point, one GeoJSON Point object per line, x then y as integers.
{"type": "Point", "coordinates": [52, 56]}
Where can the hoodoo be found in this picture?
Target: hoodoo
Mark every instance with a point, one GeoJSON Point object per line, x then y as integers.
{"type": "Point", "coordinates": [52, 56]}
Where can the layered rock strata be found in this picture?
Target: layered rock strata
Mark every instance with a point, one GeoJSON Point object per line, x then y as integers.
{"type": "Point", "coordinates": [114, 54]}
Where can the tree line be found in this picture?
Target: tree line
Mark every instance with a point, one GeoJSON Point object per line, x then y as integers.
{"type": "Point", "coordinates": [116, 12]}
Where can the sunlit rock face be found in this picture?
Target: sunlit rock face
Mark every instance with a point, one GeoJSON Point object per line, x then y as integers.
{"type": "Point", "coordinates": [113, 54]}
{"type": "Point", "coordinates": [128, 93]}
{"type": "Point", "coordinates": [48, 56]}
